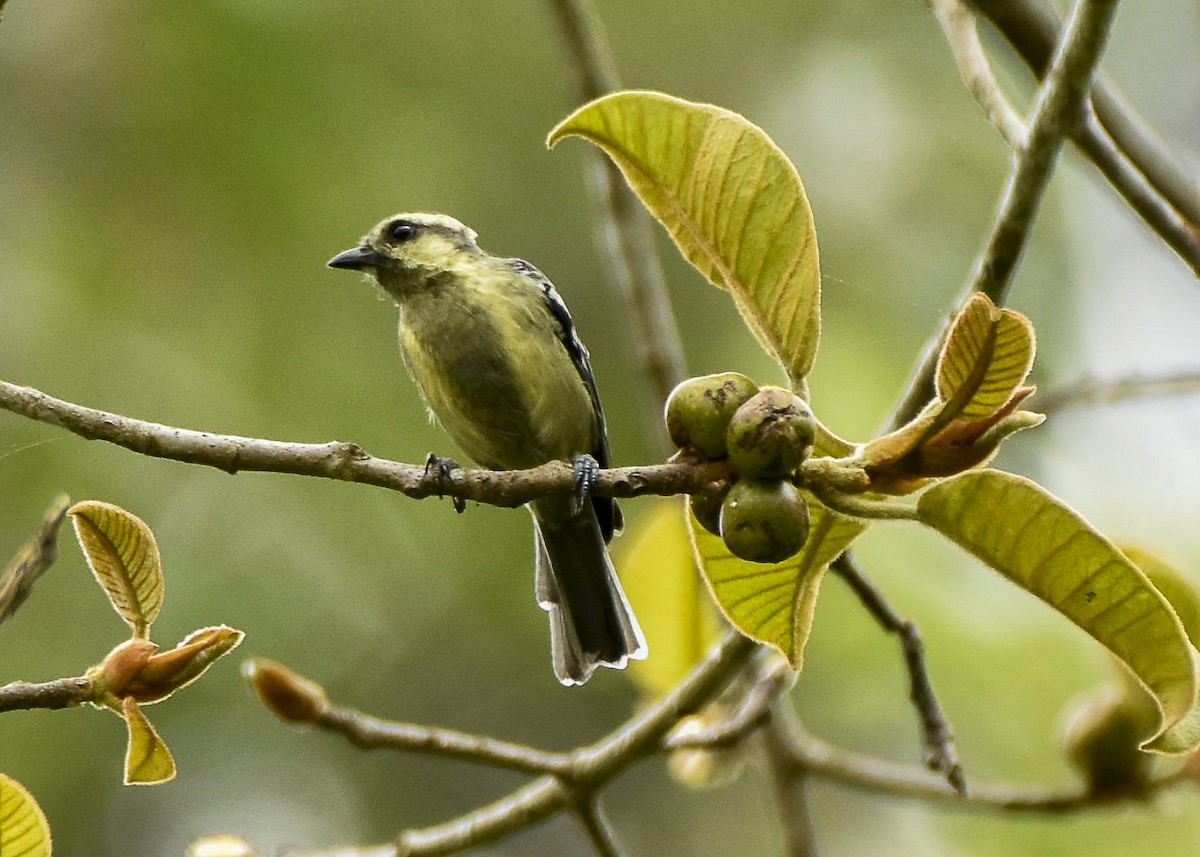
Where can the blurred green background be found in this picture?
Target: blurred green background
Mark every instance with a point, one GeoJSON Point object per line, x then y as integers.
{"type": "Point", "coordinates": [173, 178]}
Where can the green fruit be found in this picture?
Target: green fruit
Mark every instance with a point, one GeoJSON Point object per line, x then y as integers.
{"type": "Point", "coordinates": [699, 409]}
{"type": "Point", "coordinates": [771, 434]}
{"type": "Point", "coordinates": [764, 521]}
{"type": "Point", "coordinates": [707, 509]}
{"type": "Point", "coordinates": [1102, 741]}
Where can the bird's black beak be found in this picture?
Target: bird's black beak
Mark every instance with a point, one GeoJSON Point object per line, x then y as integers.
{"type": "Point", "coordinates": [355, 259]}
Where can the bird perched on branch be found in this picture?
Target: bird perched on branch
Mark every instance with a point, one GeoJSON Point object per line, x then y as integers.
{"type": "Point", "coordinates": [494, 352]}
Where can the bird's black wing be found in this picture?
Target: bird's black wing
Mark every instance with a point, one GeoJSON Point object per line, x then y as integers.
{"type": "Point", "coordinates": [607, 511]}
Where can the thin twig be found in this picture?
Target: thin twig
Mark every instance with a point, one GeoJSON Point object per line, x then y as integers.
{"type": "Point", "coordinates": [372, 733]}
{"type": "Point", "coordinates": [940, 753]}
{"type": "Point", "coordinates": [348, 461]}
{"type": "Point", "coordinates": [1143, 197]}
{"type": "Point", "coordinates": [1032, 28]}
{"type": "Point", "coordinates": [787, 781]}
{"type": "Point", "coordinates": [1118, 166]}
{"type": "Point", "coordinates": [1057, 112]}
{"type": "Point", "coordinates": [32, 560]}
{"type": "Point", "coordinates": [958, 25]}
{"type": "Point", "coordinates": [819, 758]}
{"type": "Point", "coordinates": [599, 831]}
{"type": "Point", "coordinates": [625, 229]}
{"type": "Point", "coordinates": [774, 677]}
{"type": "Point", "coordinates": [59, 693]}
{"type": "Point", "coordinates": [1088, 392]}
{"type": "Point", "coordinates": [589, 769]}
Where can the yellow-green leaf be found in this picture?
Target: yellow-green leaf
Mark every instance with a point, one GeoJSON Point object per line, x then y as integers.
{"type": "Point", "coordinates": [23, 828]}
{"type": "Point", "coordinates": [1177, 589]}
{"type": "Point", "coordinates": [987, 354]}
{"type": "Point", "coordinates": [774, 603]}
{"type": "Point", "coordinates": [731, 201]}
{"type": "Point", "coordinates": [147, 759]}
{"type": "Point", "coordinates": [674, 607]}
{"type": "Point", "coordinates": [1033, 539]}
{"type": "Point", "coordinates": [123, 555]}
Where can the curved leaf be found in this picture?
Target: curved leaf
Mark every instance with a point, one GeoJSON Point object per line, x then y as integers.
{"type": "Point", "coordinates": [987, 355]}
{"type": "Point", "coordinates": [774, 603]}
{"type": "Point", "coordinates": [1177, 589]}
{"type": "Point", "coordinates": [1033, 539]}
{"type": "Point", "coordinates": [123, 555]}
{"type": "Point", "coordinates": [732, 202]}
{"type": "Point", "coordinates": [676, 611]}
{"type": "Point", "coordinates": [147, 759]}
{"type": "Point", "coordinates": [23, 828]}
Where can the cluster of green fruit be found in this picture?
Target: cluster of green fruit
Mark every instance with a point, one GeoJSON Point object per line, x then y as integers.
{"type": "Point", "coordinates": [766, 433]}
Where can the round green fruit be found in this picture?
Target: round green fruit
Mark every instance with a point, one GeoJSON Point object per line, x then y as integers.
{"type": "Point", "coordinates": [770, 435]}
{"type": "Point", "coordinates": [699, 410]}
{"type": "Point", "coordinates": [764, 520]}
{"type": "Point", "coordinates": [707, 510]}
{"type": "Point", "coordinates": [1102, 739]}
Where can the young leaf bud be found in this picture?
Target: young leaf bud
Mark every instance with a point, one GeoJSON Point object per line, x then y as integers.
{"type": "Point", "coordinates": [764, 521]}
{"type": "Point", "coordinates": [699, 409]}
{"type": "Point", "coordinates": [770, 435]}
{"type": "Point", "coordinates": [289, 696]}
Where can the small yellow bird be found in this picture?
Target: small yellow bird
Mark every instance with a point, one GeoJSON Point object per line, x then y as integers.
{"type": "Point", "coordinates": [494, 352]}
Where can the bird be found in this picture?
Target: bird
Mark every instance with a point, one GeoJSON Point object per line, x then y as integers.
{"type": "Point", "coordinates": [494, 352]}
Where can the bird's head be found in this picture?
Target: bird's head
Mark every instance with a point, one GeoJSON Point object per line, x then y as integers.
{"type": "Point", "coordinates": [404, 249]}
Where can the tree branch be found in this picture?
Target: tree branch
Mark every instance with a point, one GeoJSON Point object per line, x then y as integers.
{"type": "Point", "coordinates": [625, 228]}
{"type": "Point", "coordinates": [1087, 392]}
{"type": "Point", "coordinates": [32, 560]}
{"type": "Point", "coordinates": [958, 25]}
{"type": "Point", "coordinates": [587, 771]}
{"type": "Point", "coordinates": [1058, 111]}
{"type": "Point", "coordinates": [1032, 28]}
{"type": "Point", "coordinates": [940, 753]}
{"type": "Point", "coordinates": [348, 461]}
{"type": "Point", "coordinates": [372, 733]}
{"type": "Point", "coordinates": [59, 693]}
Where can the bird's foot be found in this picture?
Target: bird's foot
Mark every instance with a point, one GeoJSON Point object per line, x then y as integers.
{"type": "Point", "coordinates": [441, 472]}
{"type": "Point", "coordinates": [587, 470]}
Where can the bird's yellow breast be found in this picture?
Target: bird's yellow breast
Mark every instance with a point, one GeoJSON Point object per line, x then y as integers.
{"type": "Point", "coordinates": [485, 353]}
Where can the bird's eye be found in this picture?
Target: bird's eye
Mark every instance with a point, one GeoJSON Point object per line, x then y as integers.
{"type": "Point", "coordinates": [401, 232]}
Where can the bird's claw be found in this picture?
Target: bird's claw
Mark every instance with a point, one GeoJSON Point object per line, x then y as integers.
{"type": "Point", "coordinates": [440, 471]}
{"type": "Point", "coordinates": [586, 472]}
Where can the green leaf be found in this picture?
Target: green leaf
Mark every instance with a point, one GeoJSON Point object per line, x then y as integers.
{"type": "Point", "coordinates": [123, 555]}
{"type": "Point", "coordinates": [1033, 539]}
{"type": "Point", "coordinates": [1174, 586]}
{"type": "Point", "coordinates": [987, 355]}
{"type": "Point", "coordinates": [23, 828]}
{"type": "Point", "coordinates": [774, 603]}
{"type": "Point", "coordinates": [730, 199]}
{"type": "Point", "coordinates": [147, 759]}
{"type": "Point", "coordinates": [674, 607]}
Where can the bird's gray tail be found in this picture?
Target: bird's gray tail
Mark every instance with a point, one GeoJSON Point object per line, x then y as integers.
{"type": "Point", "coordinates": [591, 623]}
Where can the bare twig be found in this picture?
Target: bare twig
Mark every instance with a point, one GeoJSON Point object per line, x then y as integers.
{"type": "Point", "coordinates": [348, 461]}
{"type": "Point", "coordinates": [59, 693]}
{"type": "Point", "coordinates": [1058, 111]}
{"type": "Point", "coordinates": [774, 677]}
{"type": "Point", "coordinates": [32, 560]}
{"type": "Point", "coordinates": [788, 781]}
{"type": "Point", "coordinates": [1088, 392]}
{"type": "Point", "coordinates": [371, 733]}
{"type": "Point", "coordinates": [599, 831]}
{"type": "Point", "coordinates": [818, 758]}
{"type": "Point", "coordinates": [1032, 27]}
{"type": "Point", "coordinates": [626, 233]}
{"type": "Point", "coordinates": [587, 771]}
{"type": "Point", "coordinates": [958, 24]}
{"type": "Point", "coordinates": [1156, 187]}
{"type": "Point", "coordinates": [940, 754]}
